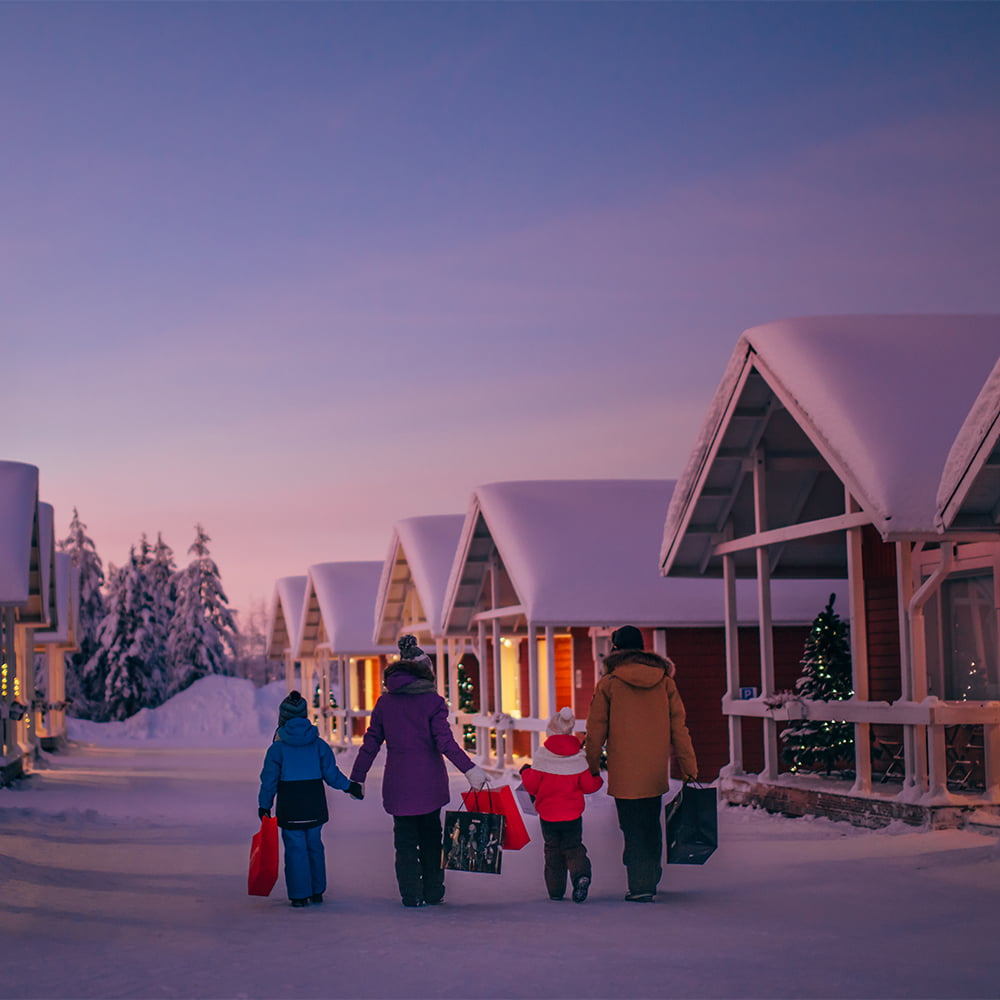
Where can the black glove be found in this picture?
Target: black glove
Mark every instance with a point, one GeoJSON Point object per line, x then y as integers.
{"type": "Point", "coordinates": [262, 812]}
{"type": "Point", "coordinates": [523, 768]}
{"type": "Point", "coordinates": [356, 790]}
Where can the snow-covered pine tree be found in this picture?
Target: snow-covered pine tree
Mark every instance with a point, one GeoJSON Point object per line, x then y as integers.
{"type": "Point", "coordinates": [126, 639]}
{"type": "Point", "coordinates": [826, 676]}
{"type": "Point", "coordinates": [161, 576]}
{"type": "Point", "coordinates": [203, 634]}
{"type": "Point", "coordinates": [87, 693]}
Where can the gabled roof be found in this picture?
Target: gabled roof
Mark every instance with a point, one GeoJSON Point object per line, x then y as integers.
{"type": "Point", "coordinates": [421, 552]}
{"type": "Point", "coordinates": [969, 495]}
{"type": "Point", "coordinates": [67, 578]}
{"type": "Point", "coordinates": [286, 616]}
{"type": "Point", "coordinates": [48, 609]}
{"type": "Point", "coordinates": [871, 403]}
{"type": "Point", "coordinates": [583, 552]}
{"type": "Point", "coordinates": [340, 606]}
{"type": "Point", "coordinates": [19, 536]}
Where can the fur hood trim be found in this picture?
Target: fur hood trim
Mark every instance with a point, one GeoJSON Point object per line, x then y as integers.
{"type": "Point", "coordinates": [552, 763]}
{"type": "Point", "coordinates": [614, 660]}
{"type": "Point", "coordinates": [413, 668]}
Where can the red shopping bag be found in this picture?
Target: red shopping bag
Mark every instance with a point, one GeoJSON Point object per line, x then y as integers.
{"type": "Point", "coordinates": [501, 802]}
{"type": "Point", "coordinates": [263, 858]}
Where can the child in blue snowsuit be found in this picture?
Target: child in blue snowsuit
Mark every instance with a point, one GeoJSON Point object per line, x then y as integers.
{"type": "Point", "coordinates": [295, 766]}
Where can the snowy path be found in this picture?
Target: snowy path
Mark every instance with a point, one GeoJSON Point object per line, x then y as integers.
{"type": "Point", "coordinates": [123, 875]}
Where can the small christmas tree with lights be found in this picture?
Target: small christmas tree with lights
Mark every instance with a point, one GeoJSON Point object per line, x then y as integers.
{"type": "Point", "coordinates": [826, 676]}
{"type": "Point", "coordinates": [466, 703]}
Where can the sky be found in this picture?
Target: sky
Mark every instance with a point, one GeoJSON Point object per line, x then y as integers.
{"type": "Point", "coordinates": [295, 271]}
{"type": "Point", "coordinates": [125, 875]}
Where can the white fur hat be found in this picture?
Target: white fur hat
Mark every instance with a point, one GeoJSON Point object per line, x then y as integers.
{"type": "Point", "coordinates": [561, 724]}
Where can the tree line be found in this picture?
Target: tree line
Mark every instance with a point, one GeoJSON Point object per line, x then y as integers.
{"type": "Point", "coordinates": [147, 629]}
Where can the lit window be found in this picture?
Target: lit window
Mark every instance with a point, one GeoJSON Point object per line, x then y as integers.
{"type": "Point", "coordinates": [969, 639]}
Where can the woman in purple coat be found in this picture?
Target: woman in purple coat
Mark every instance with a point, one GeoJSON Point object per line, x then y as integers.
{"type": "Point", "coordinates": [411, 718]}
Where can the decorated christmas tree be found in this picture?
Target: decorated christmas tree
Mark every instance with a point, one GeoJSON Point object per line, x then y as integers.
{"type": "Point", "coordinates": [826, 676]}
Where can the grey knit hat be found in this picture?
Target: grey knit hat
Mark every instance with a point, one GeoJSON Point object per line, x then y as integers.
{"type": "Point", "coordinates": [409, 650]}
{"type": "Point", "coordinates": [293, 707]}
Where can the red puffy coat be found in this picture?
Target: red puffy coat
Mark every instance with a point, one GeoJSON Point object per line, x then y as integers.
{"type": "Point", "coordinates": [559, 778]}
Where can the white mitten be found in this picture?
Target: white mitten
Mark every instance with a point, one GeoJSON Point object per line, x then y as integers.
{"type": "Point", "coordinates": [477, 777]}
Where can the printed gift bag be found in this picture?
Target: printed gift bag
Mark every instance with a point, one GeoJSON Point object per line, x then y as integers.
{"type": "Point", "coordinates": [473, 842]}
{"type": "Point", "coordinates": [500, 801]}
{"type": "Point", "coordinates": [263, 858]}
{"type": "Point", "coordinates": [692, 825]}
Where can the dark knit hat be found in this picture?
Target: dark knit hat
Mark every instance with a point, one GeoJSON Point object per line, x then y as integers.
{"type": "Point", "coordinates": [627, 637]}
{"type": "Point", "coordinates": [408, 648]}
{"type": "Point", "coordinates": [293, 707]}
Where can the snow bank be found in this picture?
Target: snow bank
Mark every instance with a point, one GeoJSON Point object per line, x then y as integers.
{"type": "Point", "coordinates": [213, 712]}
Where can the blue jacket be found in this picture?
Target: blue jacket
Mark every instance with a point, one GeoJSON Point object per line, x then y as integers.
{"type": "Point", "coordinates": [295, 766]}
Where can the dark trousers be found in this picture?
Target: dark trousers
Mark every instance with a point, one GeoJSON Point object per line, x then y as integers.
{"type": "Point", "coordinates": [418, 856]}
{"type": "Point", "coordinates": [639, 821]}
{"type": "Point", "coordinates": [564, 853]}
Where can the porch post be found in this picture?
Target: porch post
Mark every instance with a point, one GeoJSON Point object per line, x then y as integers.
{"type": "Point", "coordinates": [771, 760]}
{"type": "Point", "coordinates": [914, 748]}
{"type": "Point", "coordinates": [439, 666]}
{"type": "Point", "coordinates": [498, 688]}
{"type": "Point", "coordinates": [732, 663]}
{"type": "Point", "coordinates": [345, 666]}
{"type": "Point", "coordinates": [453, 657]}
{"type": "Point", "coordinates": [550, 672]}
{"type": "Point", "coordinates": [533, 683]}
{"type": "Point", "coordinates": [482, 733]}
{"type": "Point", "coordinates": [859, 652]}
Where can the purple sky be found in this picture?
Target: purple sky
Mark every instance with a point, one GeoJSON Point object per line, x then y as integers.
{"type": "Point", "coordinates": [298, 270]}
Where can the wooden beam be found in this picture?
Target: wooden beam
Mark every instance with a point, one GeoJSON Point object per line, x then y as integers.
{"type": "Point", "coordinates": [808, 529]}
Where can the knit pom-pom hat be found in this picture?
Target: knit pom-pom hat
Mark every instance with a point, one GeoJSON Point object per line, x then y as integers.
{"type": "Point", "coordinates": [293, 707]}
{"type": "Point", "coordinates": [562, 723]}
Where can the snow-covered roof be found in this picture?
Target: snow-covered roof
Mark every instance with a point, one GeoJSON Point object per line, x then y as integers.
{"type": "Point", "coordinates": [286, 615]}
{"type": "Point", "coordinates": [969, 495]}
{"type": "Point", "coordinates": [416, 570]}
{"type": "Point", "coordinates": [18, 523]}
{"type": "Point", "coordinates": [49, 605]}
{"type": "Point", "coordinates": [67, 603]}
{"type": "Point", "coordinates": [583, 552]}
{"type": "Point", "coordinates": [871, 403]}
{"type": "Point", "coordinates": [339, 609]}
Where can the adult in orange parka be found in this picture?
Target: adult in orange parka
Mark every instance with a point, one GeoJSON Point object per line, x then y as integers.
{"type": "Point", "coordinates": [637, 713]}
{"type": "Point", "coordinates": [558, 778]}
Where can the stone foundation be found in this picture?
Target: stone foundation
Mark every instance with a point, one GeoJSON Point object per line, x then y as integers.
{"type": "Point", "coordinates": [834, 800]}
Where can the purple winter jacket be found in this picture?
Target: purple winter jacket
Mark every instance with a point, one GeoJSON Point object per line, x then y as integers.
{"type": "Point", "coordinates": [411, 718]}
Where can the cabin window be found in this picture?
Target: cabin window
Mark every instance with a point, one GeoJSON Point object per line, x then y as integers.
{"type": "Point", "coordinates": [969, 638]}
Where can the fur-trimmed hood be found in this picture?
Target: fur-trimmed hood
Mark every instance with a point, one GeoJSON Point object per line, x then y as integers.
{"type": "Point", "coordinates": [408, 677]}
{"type": "Point", "coordinates": [638, 667]}
{"type": "Point", "coordinates": [561, 754]}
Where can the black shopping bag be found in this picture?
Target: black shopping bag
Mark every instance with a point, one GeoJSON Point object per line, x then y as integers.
{"type": "Point", "coordinates": [473, 842]}
{"type": "Point", "coordinates": [692, 826]}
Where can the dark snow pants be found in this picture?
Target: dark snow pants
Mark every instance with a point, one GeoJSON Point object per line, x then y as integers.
{"type": "Point", "coordinates": [418, 856]}
{"type": "Point", "coordinates": [564, 852]}
{"type": "Point", "coordinates": [639, 821]}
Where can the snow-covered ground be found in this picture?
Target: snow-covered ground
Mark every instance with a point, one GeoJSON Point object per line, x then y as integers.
{"type": "Point", "coordinates": [123, 874]}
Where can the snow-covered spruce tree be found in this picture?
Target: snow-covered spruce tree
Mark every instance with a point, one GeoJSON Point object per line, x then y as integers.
{"type": "Point", "coordinates": [161, 575]}
{"type": "Point", "coordinates": [126, 639]}
{"type": "Point", "coordinates": [86, 693]}
{"type": "Point", "coordinates": [203, 633]}
{"type": "Point", "coordinates": [826, 676]}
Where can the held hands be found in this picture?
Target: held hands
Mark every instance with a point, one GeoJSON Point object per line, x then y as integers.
{"type": "Point", "coordinates": [477, 777]}
{"type": "Point", "coordinates": [356, 790]}
{"type": "Point", "coordinates": [262, 812]}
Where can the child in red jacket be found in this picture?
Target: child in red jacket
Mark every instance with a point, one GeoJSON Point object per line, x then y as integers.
{"type": "Point", "coordinates": [558, 779]}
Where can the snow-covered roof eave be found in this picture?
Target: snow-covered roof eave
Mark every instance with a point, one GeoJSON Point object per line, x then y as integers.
{"type": "Point", "coordinates": [887, 459]}
{"type": "Point", "coordinates": [19, 510]}
{"type": "Point", "coordinates": [976, 444]}
{"type": "Point", "coordinates": [286, 610]}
